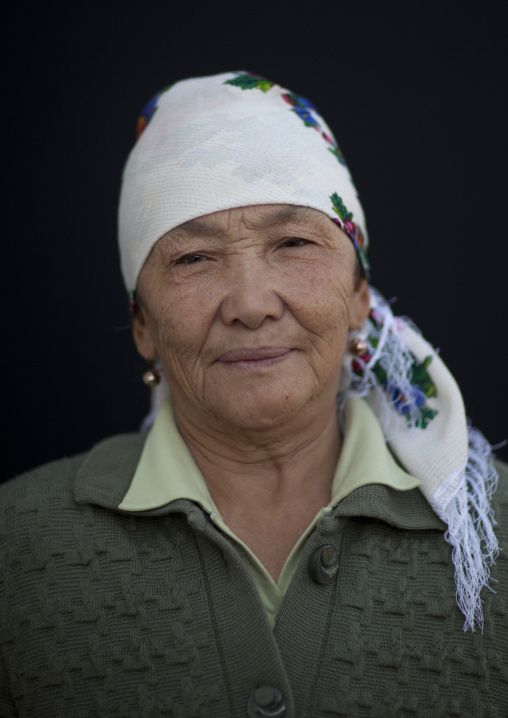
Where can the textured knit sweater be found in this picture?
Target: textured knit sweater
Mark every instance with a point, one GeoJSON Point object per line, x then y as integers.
{"type": "Point", "coordinates": [167, 472]}
{"type": "Point", "coordinates": [110, 614]}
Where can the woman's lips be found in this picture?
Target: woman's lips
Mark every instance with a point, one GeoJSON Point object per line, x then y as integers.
{"type": "Point", "coordinates": [254, 357]}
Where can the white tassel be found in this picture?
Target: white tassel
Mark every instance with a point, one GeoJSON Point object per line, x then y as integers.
{"type": "Point", "coordinates": [470, 531]}
{"type": "Point", "coordinates": [463, 499]}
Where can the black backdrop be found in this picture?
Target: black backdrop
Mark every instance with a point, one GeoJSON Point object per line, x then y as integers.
{"type": "Point", "coordinates": [416, 96]}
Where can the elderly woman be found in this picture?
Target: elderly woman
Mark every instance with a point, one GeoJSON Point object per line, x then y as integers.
{"type": "Point", "coordinates": [306, 529]}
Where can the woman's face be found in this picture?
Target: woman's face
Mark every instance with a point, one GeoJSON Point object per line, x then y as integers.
{"type": "Point", "coordinates": [248, 310]}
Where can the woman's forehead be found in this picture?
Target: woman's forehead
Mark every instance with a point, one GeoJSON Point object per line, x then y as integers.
{"type": "Point", "coordinates": [255, 216]}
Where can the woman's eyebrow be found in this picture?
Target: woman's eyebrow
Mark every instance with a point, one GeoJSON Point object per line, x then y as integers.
{"type": "Point", "coordinates": [279, 215]}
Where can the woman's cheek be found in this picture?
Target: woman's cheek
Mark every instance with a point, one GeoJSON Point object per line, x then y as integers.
{"type": "Point", "coordinates": [324, 306]}
{"type": "Point", "coordinates": [183, 328]}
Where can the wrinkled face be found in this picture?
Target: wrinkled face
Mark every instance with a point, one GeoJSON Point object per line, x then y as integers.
{"type": "Point", "coordinates": [248, 311]}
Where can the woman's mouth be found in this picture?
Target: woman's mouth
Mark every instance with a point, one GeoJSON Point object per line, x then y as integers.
{"type": "Point", "coordinates": [254, 357]}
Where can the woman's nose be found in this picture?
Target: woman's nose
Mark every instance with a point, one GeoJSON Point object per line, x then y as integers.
{"type": "Point", "coordinates": [251, 296]}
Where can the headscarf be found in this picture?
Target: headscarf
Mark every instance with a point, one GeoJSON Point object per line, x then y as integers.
{"type": "Point", "coordinates": [236, 139]}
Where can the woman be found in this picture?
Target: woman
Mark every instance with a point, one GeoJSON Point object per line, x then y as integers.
{"type": "Point", "coordinates": [262, 552]}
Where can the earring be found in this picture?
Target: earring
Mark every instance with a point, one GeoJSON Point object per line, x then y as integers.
{"type": "Point", "coordinates": [358, 346]}
{"type": "Point", "coordinates": [151, 377]}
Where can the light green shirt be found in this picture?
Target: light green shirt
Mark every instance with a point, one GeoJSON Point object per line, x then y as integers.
{"type": "Point", "coordinates": [166, 472]}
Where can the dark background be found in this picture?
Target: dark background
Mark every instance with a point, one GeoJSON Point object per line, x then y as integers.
{"type": "Point", "coordinates": [416, 96]}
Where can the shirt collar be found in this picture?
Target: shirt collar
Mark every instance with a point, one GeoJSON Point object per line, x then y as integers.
{"type": "Point", "coordinates": [167, 472]}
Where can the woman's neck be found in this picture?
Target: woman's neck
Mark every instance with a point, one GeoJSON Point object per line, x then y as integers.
{"type": "Point", "coordinates": [267, 492]}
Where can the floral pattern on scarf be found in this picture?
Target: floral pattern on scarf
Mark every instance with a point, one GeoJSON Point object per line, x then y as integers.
{"type": "Point", "coordinates": [422, 386]}
{"type": "Point", "coordinates": [247, 81]}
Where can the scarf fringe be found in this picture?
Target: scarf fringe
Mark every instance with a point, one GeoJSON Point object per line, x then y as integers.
{"type": "Point", "coordinates": [470, 531]}
{"type": "Point", "coordinates": [465, 509]}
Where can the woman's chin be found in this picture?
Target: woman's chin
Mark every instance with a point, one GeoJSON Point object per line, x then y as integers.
{"type": "Point", "coordinates": [260, 411]}
{"type": "Point", "coordinates": [268, 403]}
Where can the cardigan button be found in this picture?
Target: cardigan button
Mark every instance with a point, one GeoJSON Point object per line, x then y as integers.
{"type": "Point", "coordinates": [324, 564]}
{"type": "Point", "coordinates": [266, 701]}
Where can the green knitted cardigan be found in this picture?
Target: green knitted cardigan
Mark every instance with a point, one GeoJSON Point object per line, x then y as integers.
{"type": "Point", "coordinates": [105, 613]}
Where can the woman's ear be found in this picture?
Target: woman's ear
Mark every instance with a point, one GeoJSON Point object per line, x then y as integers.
{"type": "Point", "coordinates": [360, 304]}
{"type": "Point", "coordinates": [142, 334]}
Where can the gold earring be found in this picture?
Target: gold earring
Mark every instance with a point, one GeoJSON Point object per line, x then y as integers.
{"type": "Point", "coordinates": [358, 346]}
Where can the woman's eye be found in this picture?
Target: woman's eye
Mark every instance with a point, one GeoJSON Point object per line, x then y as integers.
{"type": "Point", "coordinates": [190, 259]}
{"type": "Point", "coordinates": [295, 242]}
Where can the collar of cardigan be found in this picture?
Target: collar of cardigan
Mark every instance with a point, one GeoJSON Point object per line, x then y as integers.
{"type": "Point", "coordinates": [107, 471]}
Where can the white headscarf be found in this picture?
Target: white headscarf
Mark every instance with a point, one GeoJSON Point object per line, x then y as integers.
{"type": "Point", "coordinates": [236, 139]}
